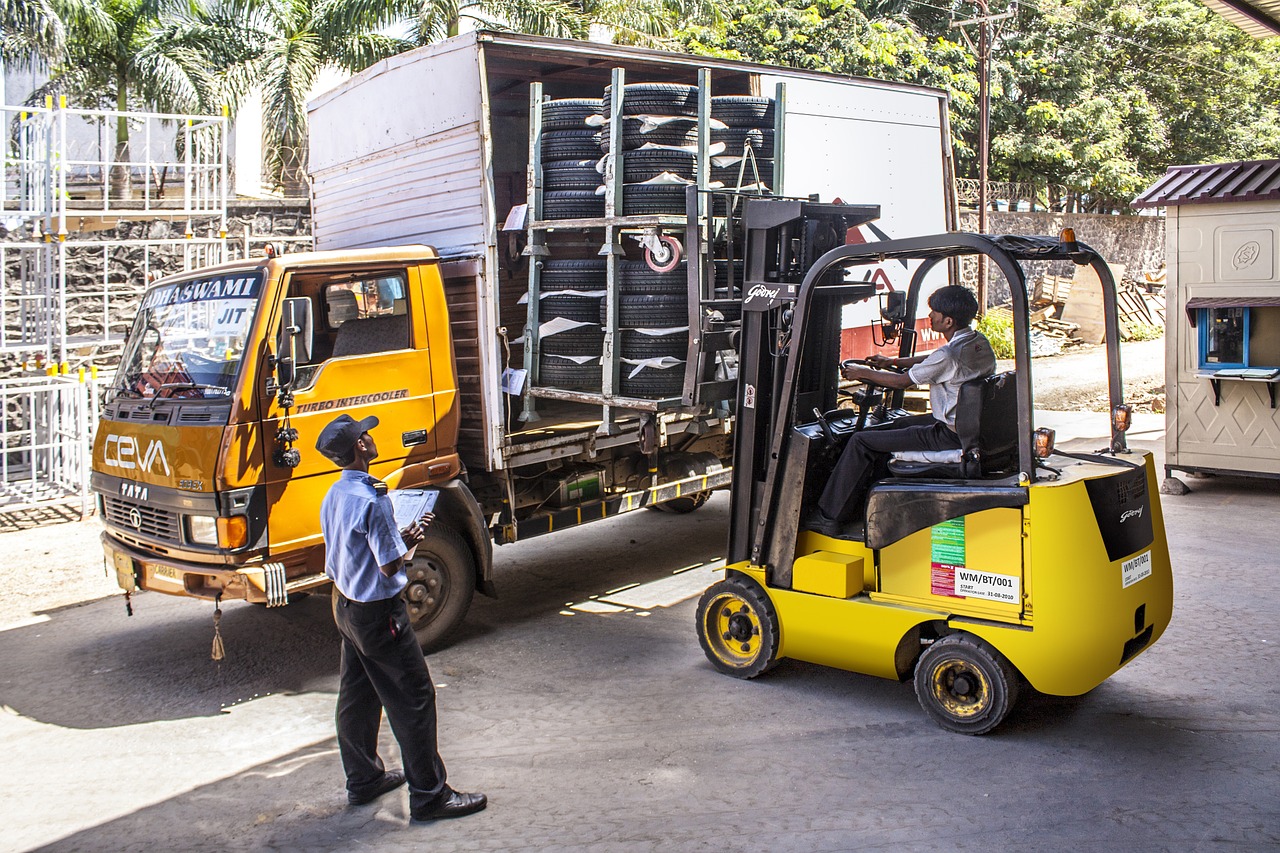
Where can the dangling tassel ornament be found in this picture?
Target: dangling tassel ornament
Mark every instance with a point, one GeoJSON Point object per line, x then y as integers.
{"type": "Point", "coordinates": [218, 652]}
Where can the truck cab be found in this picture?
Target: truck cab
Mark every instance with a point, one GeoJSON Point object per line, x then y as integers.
{"type": "Point", "coordinates": [210, 424]}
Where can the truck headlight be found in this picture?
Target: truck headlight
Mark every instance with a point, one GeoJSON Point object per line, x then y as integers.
{"type": "Point", "coordinates": [202, 529]}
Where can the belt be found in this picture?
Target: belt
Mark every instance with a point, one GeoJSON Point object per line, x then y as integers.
{"type": "Point", "coordinates": [381, 602]}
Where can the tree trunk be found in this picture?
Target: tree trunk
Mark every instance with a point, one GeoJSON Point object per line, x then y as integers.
{"type": "Point", "coordinates": [120, 180]}
{"type": "Point", "coordinates": [293, 166]}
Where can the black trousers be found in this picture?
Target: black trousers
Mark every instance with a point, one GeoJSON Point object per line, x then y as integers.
{"type": "Point", "coordinates": [383, 667]}
{"type": "Point", "coordinates": [865, 459]}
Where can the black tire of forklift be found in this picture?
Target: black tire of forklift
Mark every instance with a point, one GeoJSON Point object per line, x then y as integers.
{"type": "Point", "coordinates": [738, 627]}
{"type": "Point", "coordinates": [442, 582]}
{"type": "Point", "coordinates": [965, 685]}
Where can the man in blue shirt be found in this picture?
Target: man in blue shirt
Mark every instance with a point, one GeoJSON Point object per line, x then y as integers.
{"type": "Point", "coordinates": [382, 664]}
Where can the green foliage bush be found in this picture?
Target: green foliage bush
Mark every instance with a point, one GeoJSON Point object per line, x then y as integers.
{"type": "Point", "coordinates": [997, 326]}
{"type": "Point", "coordinates": [1143, 332]}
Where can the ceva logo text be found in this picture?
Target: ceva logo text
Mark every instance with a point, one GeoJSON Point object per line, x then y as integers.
{"type": "Point", "coordinates": [123, 451]}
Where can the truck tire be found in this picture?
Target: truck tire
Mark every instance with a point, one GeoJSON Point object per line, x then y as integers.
{"type": "Point", "coordinates": [573, 274]}
{"type": "Point", "coordinates": [568, 375]}
{"type": "Point", "coordinates": [728, 175]}
{"type": "Point", "coordinates": [638, 345]}
{"type": "Point", "coordinates": [584, 340]}
{"type": "Point", "coordinates": [442, 582]}
{"type": "Point", "coordinates": [650, 310]}
{"type": "Point", "coordinates": [743, 110]}
{"type": "Point", "coordinates": [736, 139]}
{"type": "Point", "coordinates": [680, 133]}
{"type": "Point", "coordinates": [569, 113]}
{"type": "Point", "coordinates": [570, 145]}
{"type": "Point", "coordinates": [646, 163]}
{"type": "Point", "coordinates": [572, 204]}
{"type": "Point", "coordinates": [648, 199]}
{"type": "Point", "coordinates": [638, 277]}
{"type": "Point", "coordinates": [659, 99]}
{"type": "Point", "coordinates": [583, 309]}
{"type": "Point", "coordinates": [965, 685]}
{"type": "Point", "coordinates": [570, 175]}
{"type": "Point", "coordinates": [653, 383]}
{"type": "Point", "coordinates": [738, 627]}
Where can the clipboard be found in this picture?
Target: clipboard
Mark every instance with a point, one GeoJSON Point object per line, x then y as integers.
{"type": "Point", "coordinates": [410, 505]}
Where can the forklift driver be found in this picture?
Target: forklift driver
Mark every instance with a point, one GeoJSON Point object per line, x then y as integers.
{"type": "Point", "coordinates": [966, 355]}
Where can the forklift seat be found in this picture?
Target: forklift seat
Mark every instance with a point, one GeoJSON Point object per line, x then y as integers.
{"type": "Point", "coordinates": [987, 423]}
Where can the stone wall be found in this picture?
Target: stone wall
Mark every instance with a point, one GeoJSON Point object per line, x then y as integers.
{"type": "Point", "coordinates": [98, 260]}
{"type": "Point", "coordinates": [1135, 241]}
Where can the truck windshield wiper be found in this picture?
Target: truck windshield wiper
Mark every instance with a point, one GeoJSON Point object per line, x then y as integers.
{"type": "Point", "coordinates": [218, 390]}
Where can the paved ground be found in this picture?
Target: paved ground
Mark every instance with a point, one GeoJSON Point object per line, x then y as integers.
{"type": "Point", "coordinates": [609, 730]}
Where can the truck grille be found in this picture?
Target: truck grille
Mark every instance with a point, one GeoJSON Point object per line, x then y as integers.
{"type": "Point", "coordinates": [142, 519]}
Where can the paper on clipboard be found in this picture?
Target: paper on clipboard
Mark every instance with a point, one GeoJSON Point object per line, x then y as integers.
{"type": "Point", "coordinates": [411, 504]}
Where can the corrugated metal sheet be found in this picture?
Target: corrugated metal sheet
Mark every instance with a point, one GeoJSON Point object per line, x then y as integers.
{"type": "Point", "coordinates": [430, 190]}
{"type": "Point", "coordinates": [1252, 180]}
{"type": "Point", "coordinates": [1258, 18]}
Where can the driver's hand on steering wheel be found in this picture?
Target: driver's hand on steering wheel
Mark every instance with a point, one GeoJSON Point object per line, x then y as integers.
{"type": "Point", "coordinates": [880, 362]}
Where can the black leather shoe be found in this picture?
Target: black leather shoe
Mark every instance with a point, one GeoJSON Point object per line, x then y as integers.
{"type": "Point", "coordinates": [820, 522]}
{"type": "Point", "coordinates": [391, 780]}
{"type": "Point", "coordinates": [452, 804]}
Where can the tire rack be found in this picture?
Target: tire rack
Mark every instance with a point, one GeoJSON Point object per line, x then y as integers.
{"type": "Point", "coordinates": [696, 226]}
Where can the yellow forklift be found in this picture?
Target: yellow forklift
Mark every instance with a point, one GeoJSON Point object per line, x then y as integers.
{"type": "Point", "coordinates": [1012, 564]}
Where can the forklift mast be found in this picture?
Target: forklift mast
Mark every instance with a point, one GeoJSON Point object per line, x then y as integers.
{"type": "Point", "coordinates": [784, 239]}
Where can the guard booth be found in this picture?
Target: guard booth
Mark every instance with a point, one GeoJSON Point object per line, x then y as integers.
{"type": "Point", "coordinates": [1222, 357]}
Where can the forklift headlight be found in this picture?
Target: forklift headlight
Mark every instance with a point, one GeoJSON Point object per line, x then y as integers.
{"type": "Point", "coordinates": [233, 532]}
{"type": "Point", "coordinates": [202, 530]}
{"type": "Point", "coordinates": [1043, 442]}
{"type": "Point", "coordinates": [1122, 417]}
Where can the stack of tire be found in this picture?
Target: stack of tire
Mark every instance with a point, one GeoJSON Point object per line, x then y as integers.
{"type": "Point", "coordinates": [570, 151]}
{"type": "Point", "coordinates": [653, 323]}
{"type": "Point", "coordinates": [563, 361]}
{"type": "Point", "coordinates": [676, 137]}
{"type": "Point", "coordinates": [750, 125]}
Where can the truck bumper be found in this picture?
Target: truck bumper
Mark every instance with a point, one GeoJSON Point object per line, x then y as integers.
{"type": "Point", "coordinates": [263, 583]}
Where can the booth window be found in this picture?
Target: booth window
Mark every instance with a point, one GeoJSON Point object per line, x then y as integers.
{"type": "Point", "coordinates": [1238, 336]}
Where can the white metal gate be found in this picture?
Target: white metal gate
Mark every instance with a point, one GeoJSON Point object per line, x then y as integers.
{"type": "Point", "coordinates": [46, 440]}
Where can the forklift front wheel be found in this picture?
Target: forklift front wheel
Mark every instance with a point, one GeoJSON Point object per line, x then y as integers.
{"type": "Point", "coordinates": [965, 685]}
{"type": "Point", "coordinates": [738, 628]}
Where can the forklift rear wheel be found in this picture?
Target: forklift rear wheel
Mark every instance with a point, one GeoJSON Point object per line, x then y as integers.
{"type": "Point", "coordinates": [738, 628]}
{"type": "Point", "coordinates": [442, 582]}
{"type": "Point", "coordinates": [965, 685]}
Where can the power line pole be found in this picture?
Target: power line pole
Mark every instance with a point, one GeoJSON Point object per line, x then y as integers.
{"type": "Point", "coordinates": [982, 49]}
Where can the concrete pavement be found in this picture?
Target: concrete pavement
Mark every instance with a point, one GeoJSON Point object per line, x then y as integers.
{"type": "Point", "coordinates": [599, 726]}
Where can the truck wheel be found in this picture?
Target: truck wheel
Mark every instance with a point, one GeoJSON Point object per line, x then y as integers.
{"type": "Point", "coordinates": [965, 685]}
{"type": "Point", "coordinates": [738, 628]}
{"type": "Point", "coordinates": [442, 581]}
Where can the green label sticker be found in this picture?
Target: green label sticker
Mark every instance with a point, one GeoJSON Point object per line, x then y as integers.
{"type": "Point", "coordinates": [948, 542]}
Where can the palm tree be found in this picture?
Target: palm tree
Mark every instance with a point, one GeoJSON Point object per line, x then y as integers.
{"type": "Point", "coordinates": [136, 55]}
{"type": "Point", "coordinates": [30, 29]}
{"type": "Point", "coordinates": [289, 43]}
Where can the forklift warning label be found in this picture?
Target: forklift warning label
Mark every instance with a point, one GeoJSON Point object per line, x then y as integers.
{"type": "Point", "coordinates": [946, 554]}
{"type": "Point", "coordinates": [973, 584]}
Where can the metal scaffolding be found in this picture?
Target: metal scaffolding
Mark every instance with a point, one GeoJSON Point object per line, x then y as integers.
{"type": "Point", "coordinates": [77, 184]}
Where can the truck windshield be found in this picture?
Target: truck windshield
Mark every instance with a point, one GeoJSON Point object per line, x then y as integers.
{"type": "Point", "coordinates": [189, 336]}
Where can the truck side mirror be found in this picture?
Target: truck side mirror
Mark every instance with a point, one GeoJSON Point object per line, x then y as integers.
{"type": "Point", "coordinates": [296, 333]}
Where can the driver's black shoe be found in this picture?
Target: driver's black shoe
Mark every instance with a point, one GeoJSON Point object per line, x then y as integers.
{"type": "Point", "coordinates": [820, 522]}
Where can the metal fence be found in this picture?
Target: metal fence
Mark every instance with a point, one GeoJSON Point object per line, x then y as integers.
{"type": "Point", "coordinates": [46, 440]}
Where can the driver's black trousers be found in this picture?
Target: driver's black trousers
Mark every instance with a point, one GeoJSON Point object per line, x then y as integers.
{"type": "Point", "coordinates": [383, 668]}
{"type": "Point", "coordinates": [866, 455]}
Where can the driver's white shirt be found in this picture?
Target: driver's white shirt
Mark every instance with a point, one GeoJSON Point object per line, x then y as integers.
{"type": "Point", "coordinates": [968, 355]}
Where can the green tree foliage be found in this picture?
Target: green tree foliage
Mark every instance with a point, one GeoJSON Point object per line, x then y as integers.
{"type": "Point", "coordinates": [1101, 96]}
{"type": "Point", "coordinates": [1095, 96]}
{"type": "Point", "coordinates": [836, 36]}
